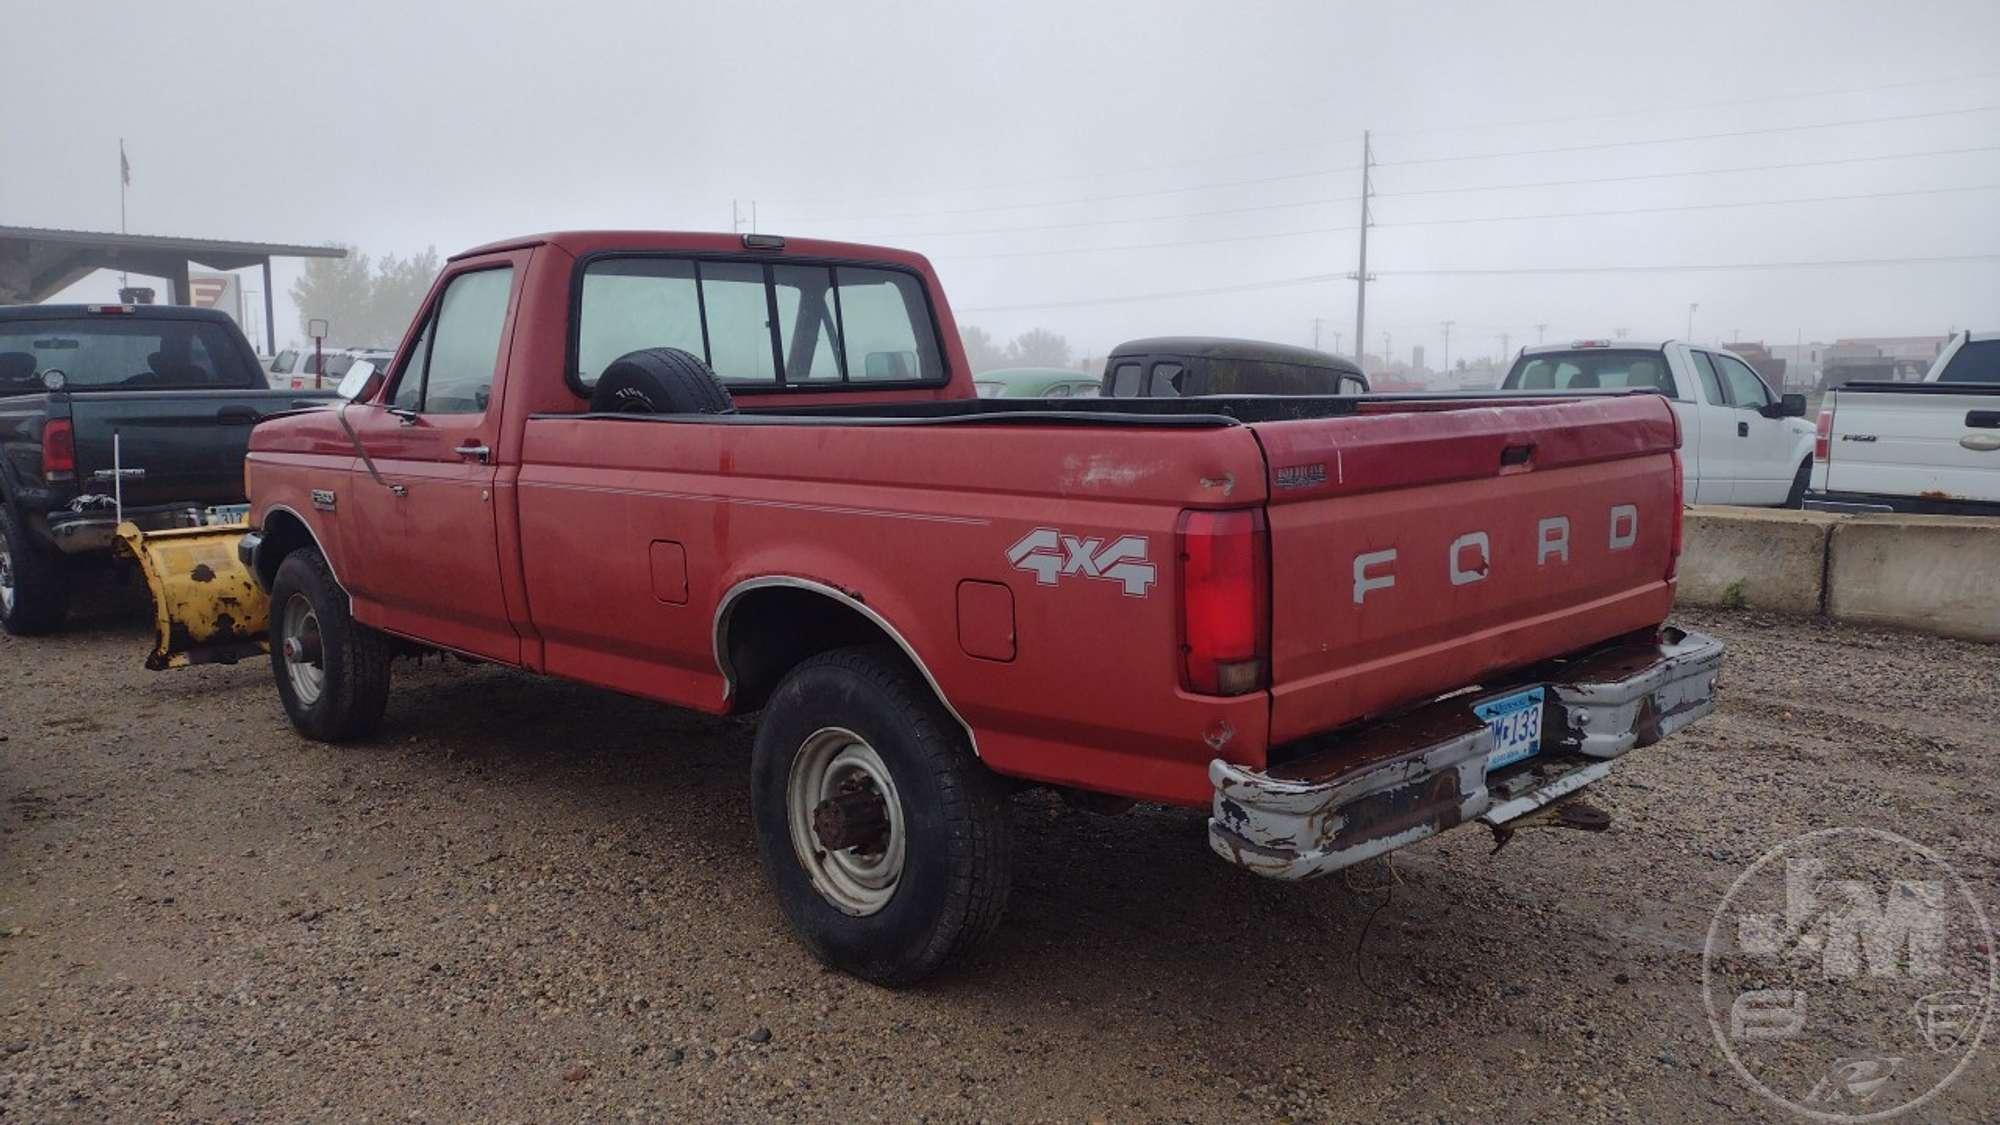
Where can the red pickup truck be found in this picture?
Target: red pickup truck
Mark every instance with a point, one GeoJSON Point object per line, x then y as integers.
{"type": "Point", "coordinates": [750, 473]}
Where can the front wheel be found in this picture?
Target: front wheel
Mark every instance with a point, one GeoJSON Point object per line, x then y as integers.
{"type": "Point", "coordinates": [332, 672]}
{"type": "Point", "coordinates": [1796, 498]}
{"type": "Point", "coordinates": [885, 839]}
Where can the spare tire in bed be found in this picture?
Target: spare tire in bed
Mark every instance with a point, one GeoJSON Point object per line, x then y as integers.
{"type": "Point", "coordinates": [660, 381]}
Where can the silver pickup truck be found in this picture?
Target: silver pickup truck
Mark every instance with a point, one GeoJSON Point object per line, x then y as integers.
{"type": "Point", "coordinates": [1931, 447]}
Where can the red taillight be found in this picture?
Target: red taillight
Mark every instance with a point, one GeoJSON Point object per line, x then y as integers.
{"type": "Point", "coordinates": [1823, 437]}
{"type": "Point", "coordinates": [1679, 514]}
{"type": "Point", "coordinates": [1225, 601]}
{"type": "Point", "coordinates": [58, 450]}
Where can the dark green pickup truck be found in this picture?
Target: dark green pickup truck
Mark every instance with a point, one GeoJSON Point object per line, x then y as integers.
{"type": "Point", "coordinates": [147, 408]}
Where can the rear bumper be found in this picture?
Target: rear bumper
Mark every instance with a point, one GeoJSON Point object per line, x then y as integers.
{"type": "Point", "coordinates": [96, 528]}
{"type": "Point", "coordinates": [1866, 502]}
{"type": "Point", "coordinates": [1369, 792]}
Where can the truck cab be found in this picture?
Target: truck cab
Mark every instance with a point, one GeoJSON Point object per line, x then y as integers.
{"type": "Point", "coordinates": [1740, 442]}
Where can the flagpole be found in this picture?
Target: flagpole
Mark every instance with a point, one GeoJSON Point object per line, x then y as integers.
{"type": "Point", "coordinates": [124, 182]}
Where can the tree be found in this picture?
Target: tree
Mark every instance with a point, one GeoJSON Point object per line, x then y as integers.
{"type": "Point", "coordinates": [365, 303]}
{"type": "Point", "coordinates": [980, 350]}
{"type": "Point", "coordinates": [1038, 347]}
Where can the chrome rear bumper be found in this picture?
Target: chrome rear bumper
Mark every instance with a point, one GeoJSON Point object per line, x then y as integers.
{"type": "Point", "coordinates": [1363, 793]}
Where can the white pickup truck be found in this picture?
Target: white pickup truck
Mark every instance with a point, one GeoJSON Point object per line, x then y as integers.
{"type": "Point", "coordinates": [1931, 447]}
{"type": "Point", "coordinates": [1740, 444]}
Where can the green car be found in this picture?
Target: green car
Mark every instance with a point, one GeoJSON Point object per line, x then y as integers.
{"type": "Point", "coordinates": [1036, 382]}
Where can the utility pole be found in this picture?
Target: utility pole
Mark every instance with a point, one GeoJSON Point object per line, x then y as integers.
{"type": "Point", "coordinates": [1691, 307]}
{"type": "Point", "coordinates": [1316, 323]}
{"type": "Point", "coordinates": [1447, 344]}
{"type": "Point", "coordinates": [1361, 272]}
{"type": "Point", "coordinates": [736, 216]}
{"type": "Point", "coordinates": [1539, 329]}
{"type": "Point", "coordinates": [1506, 347]}
{"type": "Point", "coordinates": [1336, 341]}
{"type": "Point", "coordinates": [1388, 351]}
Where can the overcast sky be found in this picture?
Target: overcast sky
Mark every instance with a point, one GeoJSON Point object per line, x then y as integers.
{"type": "Point", "coordinates": [1005, 139]}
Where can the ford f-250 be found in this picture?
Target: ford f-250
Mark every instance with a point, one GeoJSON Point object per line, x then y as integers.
{"type": "Point", "coordinates": [742, 474]}
{"type": "Point", "coordinates": [168, 393]}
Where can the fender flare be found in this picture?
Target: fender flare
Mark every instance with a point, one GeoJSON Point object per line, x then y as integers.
{"type": "Point", "coordinates": [719, 636]}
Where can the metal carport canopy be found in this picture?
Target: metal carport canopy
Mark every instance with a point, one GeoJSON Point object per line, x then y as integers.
{"type": "Point", "coordinates": [36, 262]}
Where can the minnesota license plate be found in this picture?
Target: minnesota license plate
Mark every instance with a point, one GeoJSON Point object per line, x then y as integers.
{"type": "Point", "coordinates": [1516, 723]}
{"type": "Point", "coordinates": [226, 513]}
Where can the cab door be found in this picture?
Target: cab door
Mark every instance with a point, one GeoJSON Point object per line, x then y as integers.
{"type": "Point", "coordinates": [429, 564]}
{"type": "Point", "coordinates": [1718, 446]}
{"type": "Point", "coordinates": [1763, 445]}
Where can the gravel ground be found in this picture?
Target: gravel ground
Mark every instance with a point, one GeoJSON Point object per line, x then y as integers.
{"type": "Point", "coordinates": [531, 901]}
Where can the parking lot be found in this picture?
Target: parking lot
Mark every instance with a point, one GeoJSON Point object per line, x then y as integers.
{"type": "Point", "coordinates": [529, 899]}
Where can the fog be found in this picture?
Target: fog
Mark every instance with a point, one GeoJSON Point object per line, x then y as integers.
{"type": "Point", "coordinates": [1104, 170]}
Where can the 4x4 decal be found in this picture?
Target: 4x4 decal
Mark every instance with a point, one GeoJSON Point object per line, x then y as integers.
{"type": "Point", "coordinates": [1049, 555]}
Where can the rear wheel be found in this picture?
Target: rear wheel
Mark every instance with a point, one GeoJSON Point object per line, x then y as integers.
{"type": "Point", "coordinates": [885, 839]}
{"type": "Point", "coordinates": [332, 672]}
{"type": "Point", "coordinates": [34, 592]}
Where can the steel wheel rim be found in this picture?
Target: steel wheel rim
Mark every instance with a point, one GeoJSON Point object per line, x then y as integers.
{"type": "Point", "coordinates": [6, 576]}
{"type": "Point", "coordinates": [301, 635]}
{"type": "Point", "coordinates": [832, 761]}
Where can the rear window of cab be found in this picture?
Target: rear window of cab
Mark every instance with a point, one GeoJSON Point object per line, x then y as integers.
{"type": "Point", "coordinates": [759, 324]}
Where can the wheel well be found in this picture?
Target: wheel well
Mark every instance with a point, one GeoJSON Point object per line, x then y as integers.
{"type": "Point", "coordinates": [283, 534]}
{"type": "Point", "coordinates": [768, 631]}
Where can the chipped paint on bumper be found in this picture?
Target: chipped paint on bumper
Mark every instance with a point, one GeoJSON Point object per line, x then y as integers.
{"type": "Point", "coordinates": [1372, 791]}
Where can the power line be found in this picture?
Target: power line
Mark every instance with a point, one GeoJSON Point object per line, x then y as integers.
{"type": "Point", "coordinates": [1830, 263]}
{"type": "Point", "coordinates": [1095, 198]}
{"type": "Point", "coordinates": [1690, 207]}
{"type": "Point", "coordinates": [1688, 137]}
{"type": "Point", "coordinates": [1140, 219]}
{"type": "Point", "coordinates": [1145, 245]}
{"type": "Point", "coordinates": [1318, 278]}
{"type": "Point", "coordinates": [1693, 172]}
{"type": "Point", "coordinates": [1692, 106]}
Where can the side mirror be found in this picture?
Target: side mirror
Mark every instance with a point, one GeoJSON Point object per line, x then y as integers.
{"type": "Point", "coordinates": [1787, 406]}
{"type": "Point", "coordinates": [358, 376]}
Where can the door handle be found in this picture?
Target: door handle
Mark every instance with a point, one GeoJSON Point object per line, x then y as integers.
{"type": "Point", "coordinates": [237, 416]}
{"type": "Point", "coordinates": [1982, 419]}
{"type": "Point", "coordinates": [1742, 429]}
{"type": "Point", "coordinates": [475, 451]}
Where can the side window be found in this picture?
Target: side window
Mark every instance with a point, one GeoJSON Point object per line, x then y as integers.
{"type": "Point", "coordinates": [1088, 390]}
{"type": "Point", "coordinates": [1711, 383]}
{"type": "Point", "coordinates": [410, 387]}
{"type": "Point", "coordinates": [1166, 381]}
{"type": "Point", "coordinates": [1060, 390]}
{"type": "Point", "coordinates": [629, 304]}
{"type": "Point", "coordinates": [886, 326]}
{"type": "Point", "coordinates": [739, 321]}
{"type": "Point", "coordinates": [1746, 390]}
{"type": "Point", "coordinates": [451, 369]}
{"type": "Point", "coordinates": [806, 328]}
{"type": "Point", "coordinates": [1125, 381]}
{"type": "Point", "coordinates": [283, 364]}
{"type": "Point", "coordinates": [1977, 361]}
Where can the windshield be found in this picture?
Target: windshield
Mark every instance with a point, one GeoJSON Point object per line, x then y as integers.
{"type": "Point", "coordinates": [1589, 369]}
{"type": "Point", "coordinates": [135, 353]}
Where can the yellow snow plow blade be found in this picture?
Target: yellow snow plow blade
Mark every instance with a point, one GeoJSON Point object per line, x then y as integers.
{"type": "Point", "coordinates": [207, 608]}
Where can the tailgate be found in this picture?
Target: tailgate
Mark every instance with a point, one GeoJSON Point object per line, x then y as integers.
{"type": "Point", "coordinates": [1418, 548]}
{"type": "Point", "coordinates": [189, 445]}
{"type": "Point", "coordinates": [1928, 444]}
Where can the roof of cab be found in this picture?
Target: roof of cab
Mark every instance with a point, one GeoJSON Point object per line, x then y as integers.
{"type": "Point", "coordinates": [1223, 347]}
{"type": "Point", "coordinates": [1597, 344]}
{"type": "Point", "coordinates": [580, 242]}
{"type": "Point", "coordinates": [143, 312]}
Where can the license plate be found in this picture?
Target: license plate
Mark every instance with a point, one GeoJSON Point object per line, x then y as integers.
{"type": "Point", "coordinates": [226, 513]}
{"type": "Point", "coordinates": [1516, 723]}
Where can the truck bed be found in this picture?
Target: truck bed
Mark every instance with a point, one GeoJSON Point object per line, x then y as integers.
{"type": "Point", "coordinates": [1931, 448]}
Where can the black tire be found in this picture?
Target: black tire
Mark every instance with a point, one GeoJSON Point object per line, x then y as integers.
{"type": "Point", "coordinates": [660, 381]}
{"type": "Point", "coordinates": [40, 588]}
{"type": "Point", "coordinates": [1796, 498]}
{"type": "Point", "coordinates": [354, 659]}
{"type": "Point", "coordinates": [953, 882]}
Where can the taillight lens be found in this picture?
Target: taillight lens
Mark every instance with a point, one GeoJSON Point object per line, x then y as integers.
{"type": "Point", "coordinates": [1679, 514]}
{"type": "Point", "coordinates": [1225, 601]}
{"type": "Point", "coordinates": [1823, 437]}
{"type": "Point", "coordinates": [58, 450]}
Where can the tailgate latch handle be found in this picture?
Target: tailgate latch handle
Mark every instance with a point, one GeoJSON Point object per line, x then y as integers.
{"type": "Point", "coordinates": [236, 416]}
{"type": "Point", "coordinates": [1982, 419]}
{"type": "Point", "coordinates": [1515, 455]}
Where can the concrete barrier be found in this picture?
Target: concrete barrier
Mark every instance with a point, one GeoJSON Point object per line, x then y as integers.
{"type": "Point", "coordinates": [1755, 558]}
{"type": "Point", "coordinates": [1937, 574]}
{"type": "Point", "coordinates": [1933, 574]}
